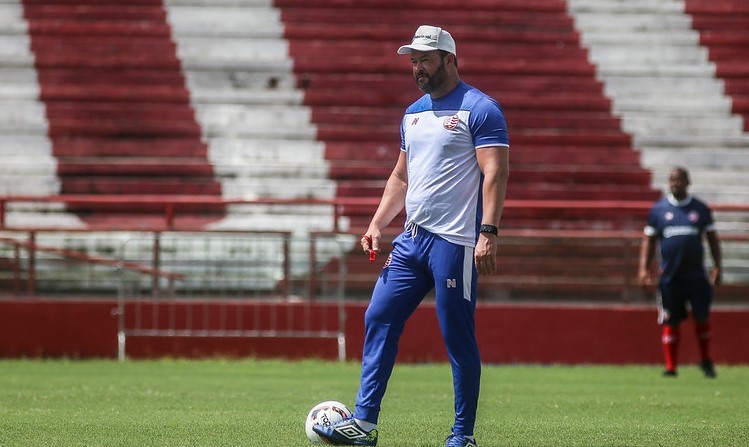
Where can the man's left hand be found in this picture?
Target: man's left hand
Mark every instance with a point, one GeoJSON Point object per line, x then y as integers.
{"type": "Point", "coordinates": [485, 254]}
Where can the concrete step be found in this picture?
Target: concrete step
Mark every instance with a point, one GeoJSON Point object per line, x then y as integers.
{"type": "Point", "coordinates": [32, 147]}
{"type": "Point", "coordinates": [733, 222]}
{"type": "Point", "coordinates": [642, 88]}
{"type": "Point", "coordinates": [706, 179]}
{"type": "Point", "coordinates": [625, 6]}
{"type": "Point", "coordinates": [225, 3]}
{"type": "Point", "coordinates": [714, 158]}
{"type": "Point", "coordinates": [26, 129]}
{"type": "Point", "coordinates": [22, 113]}
{"type": "Point", "coordinates": [230, 50]}
{"type": "Point", "coordinates": [283, 171]}
{"type": "Point", "coordinates": [678, 141]}
{"type": "Point", "coordinates": [668, 71]}
{"type": "Point", "coordinates": [299, 223]}
{"type": "Point", "coordinates": [613, 37]}
{"type": "Point", "coordinates": [46, 218]}
{"type": "Point", "coordinates": [17, 76]}
{"type": "Point", "coordinates": [227, 21]}
{"type": "Point", "coordinates": [676, 104]}
{"type": "Point", "coordinates": [642, 22]}
{"type": "Point", "coordinates": [723, 195]}
{"type": "Point", "coordinates": [19, 165]}
{"type": "Point", "coordinates": [265, 151]}
{"type": "Point", "coordinates": [269, 97]}
{"type": "Point", "coordinates": [248, 66]}
{"type": "Point", "coordinates": [655, 123]}
{"type": "Point", "coordinates": [272, 211]}
{"type": "Point", "coordinates": [295, 133]}
{"type": "Point", "coordinates": [219, 80]}
{"type": "Point", "coordinates": [648, 53]}
{"type": "Point", "coordinates": [230, 117]}
{"type": "Point", "coordinates": [11, 92]}
{"type": "Point", "coordinates": [21, 185]}
{"type": "Point", "coordinates": [281, 188]}
{"type": "Point", "coordinates": [11, 18]}
{"type": "Point", "coordinates": [14, 50]}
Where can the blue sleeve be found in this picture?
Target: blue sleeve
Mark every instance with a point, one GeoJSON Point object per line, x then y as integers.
{"type": "Point", "coordinates": [488, 125]}
{"type": "Point", "coordinates": [652, 228]}
{"type": "Point", "coordinates": [709, 220]}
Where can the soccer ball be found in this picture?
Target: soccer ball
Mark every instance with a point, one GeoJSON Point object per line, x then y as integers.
{"type": "Point", "coordinates": [325, 414]}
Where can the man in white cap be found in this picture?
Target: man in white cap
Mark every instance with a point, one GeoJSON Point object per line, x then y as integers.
{"type": "Point", "coordinates": [451, 176]}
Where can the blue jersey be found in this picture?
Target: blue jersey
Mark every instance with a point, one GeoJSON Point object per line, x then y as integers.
{"type": "Point", "coordinates": [679, 227]}
{"type": "Point", "coordinates": [440, 137]}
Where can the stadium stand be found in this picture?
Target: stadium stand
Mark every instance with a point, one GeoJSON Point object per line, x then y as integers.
{"type": "Point", "coordinates": [566, 142]}
{"type": "Point", "coordinates": [724, 30]}
{"type": "Point", "coordinates": [118, 111]}
{"type": "Point", "coordinates": [301, 99]}
{"type": "Point", "coordinates": [680, 101]}
{"type": "Point", "coordinates": [27, 166]}
{"type": "Point", "coordinates": [259, 135]}
{"type": "Point", "coordinates": [667, 92]}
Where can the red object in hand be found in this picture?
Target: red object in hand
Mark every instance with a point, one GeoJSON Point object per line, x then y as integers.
{"type": "Point", "coordinates": [372, 253]}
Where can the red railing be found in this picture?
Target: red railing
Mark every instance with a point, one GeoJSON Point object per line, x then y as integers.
{"type": "Point", "coordinates": [171, 204]}
{"type": "Point", "coordinates": [340, 206]}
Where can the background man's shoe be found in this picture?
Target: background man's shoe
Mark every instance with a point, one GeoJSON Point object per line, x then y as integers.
{"type": "Point", "coordinates": [708, 368]}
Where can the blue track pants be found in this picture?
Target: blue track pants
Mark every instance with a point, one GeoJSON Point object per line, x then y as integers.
{"type": "Point", "coordinates": [419, 262]}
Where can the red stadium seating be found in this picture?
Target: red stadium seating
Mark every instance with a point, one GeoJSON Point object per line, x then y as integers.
{"type": "Point", "coordinates": [118, 109]}
{"type": "Point", "coordinates": [566, 144]}
{"type": "Point", "coordinates": [724, 30]}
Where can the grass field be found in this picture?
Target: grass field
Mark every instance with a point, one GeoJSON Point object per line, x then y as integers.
{"type": "Point", "coordinates": [263, 403]}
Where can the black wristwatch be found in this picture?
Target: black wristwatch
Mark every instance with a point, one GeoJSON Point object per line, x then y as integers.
{"type": "Point", "coordinates": [484, 228]}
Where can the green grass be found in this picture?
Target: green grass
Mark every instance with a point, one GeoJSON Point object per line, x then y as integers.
{"type": "Point", "coordinates": [263, 403]}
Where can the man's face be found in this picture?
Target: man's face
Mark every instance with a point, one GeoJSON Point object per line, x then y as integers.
{"type": "Point", "coordinates": [428, 70]}
{"type": "Point", "coordinates": [678, 182]}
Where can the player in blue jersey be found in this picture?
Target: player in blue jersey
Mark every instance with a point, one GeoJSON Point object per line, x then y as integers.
{"type": "Point", "coordinates": [678, 224]}
{"type": "Point", "coordinates": [451, 177]}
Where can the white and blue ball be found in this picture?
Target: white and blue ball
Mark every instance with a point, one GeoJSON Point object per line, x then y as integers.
{"type": "Point", "coordinates": [325, 414]}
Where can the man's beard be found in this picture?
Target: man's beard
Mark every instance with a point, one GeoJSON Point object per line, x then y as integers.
{"type": "Point", "coordinates": [434, 81]}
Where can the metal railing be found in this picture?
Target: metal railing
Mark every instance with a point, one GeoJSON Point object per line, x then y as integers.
{"type": "Point", "coordinates": [533, 264]}
{"type": "Point", "coordinates": [173, 205]}
{"type": "Point", "coordinates": [232, 284]}
{"type": "Point", "coordinates": [276, 284]}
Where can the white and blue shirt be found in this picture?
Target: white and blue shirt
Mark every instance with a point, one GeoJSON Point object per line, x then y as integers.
{"type": "Point", "coordinates": [679, 227]}
{"type": "Point", "coordinates": [440, 137]}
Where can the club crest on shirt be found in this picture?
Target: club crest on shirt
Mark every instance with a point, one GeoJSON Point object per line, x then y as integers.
{"type": "Point", "coordinates": [669, 215]}
{"type": "Point", "coordinates": [693, 216]}
{"type": "Point", "coordinates": [451, 122]}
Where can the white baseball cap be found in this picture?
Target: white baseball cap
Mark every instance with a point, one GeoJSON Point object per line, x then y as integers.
{"type": "Point", "coordinates": [430, 38]}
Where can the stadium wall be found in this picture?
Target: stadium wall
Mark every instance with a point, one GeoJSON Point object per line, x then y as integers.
{"type": "Point", "coordinates": [508, 333]}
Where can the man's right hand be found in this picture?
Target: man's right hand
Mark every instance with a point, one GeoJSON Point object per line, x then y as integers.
{"type": "Point", "coordinates": [370, 244]}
